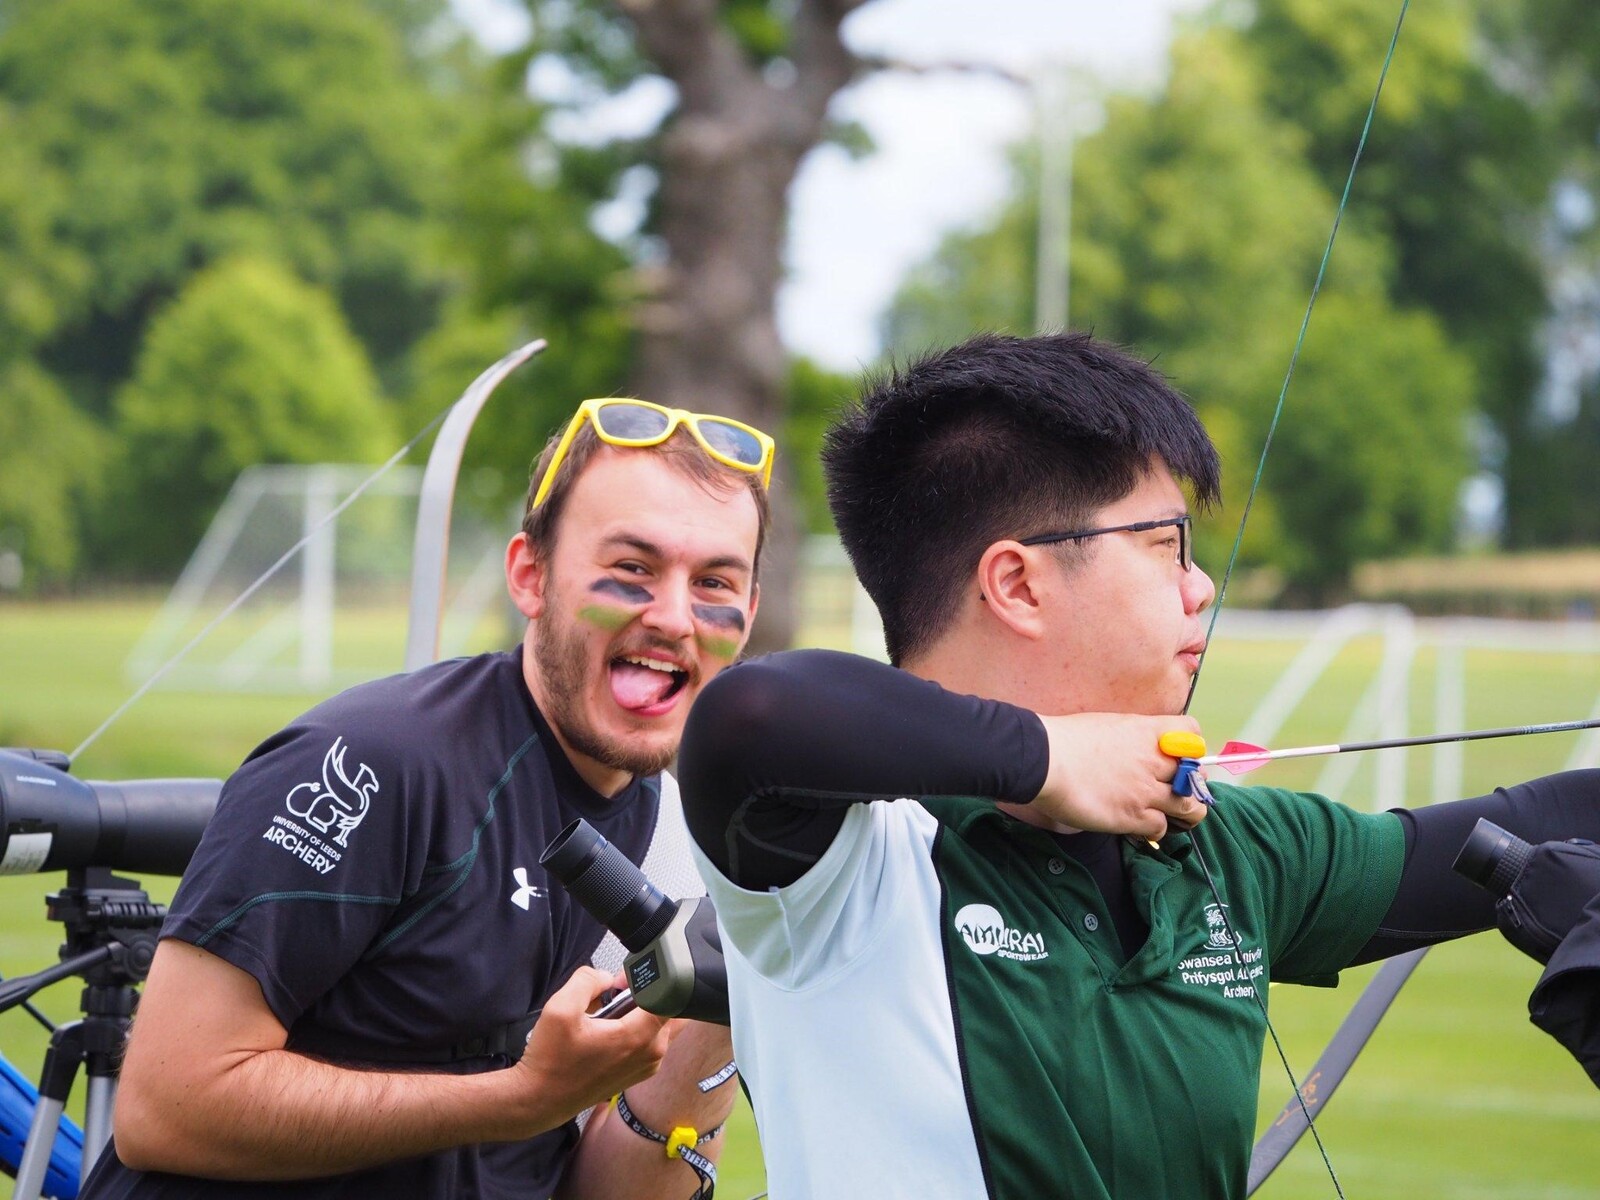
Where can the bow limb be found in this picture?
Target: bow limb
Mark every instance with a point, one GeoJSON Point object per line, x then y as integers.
{"type": "Point", "coordinates": [431, 550]}
{"type": "Point", "coordinates": [1340, 1054]}
{"type": "Point", "coordinates": [436, 521]}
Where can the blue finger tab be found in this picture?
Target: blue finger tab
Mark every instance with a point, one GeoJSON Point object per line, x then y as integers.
{"type": "Point", "coordinates": [1190, 782]}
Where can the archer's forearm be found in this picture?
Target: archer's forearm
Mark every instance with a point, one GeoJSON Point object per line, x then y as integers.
{"type": "Point", "coordinates": [1433, 903]}
{"type": "Point", "coordinates": [789, 741]}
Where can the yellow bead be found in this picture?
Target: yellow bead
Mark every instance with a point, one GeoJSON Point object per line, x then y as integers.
{"type": "Point", "coordinates": [682, 1135]}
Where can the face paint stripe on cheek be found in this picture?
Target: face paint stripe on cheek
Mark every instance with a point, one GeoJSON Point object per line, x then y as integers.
{"type": "Point", "coordinates": [722, 616]}
{"type": "Point", "coordinates": [605, 617]}
{"type": "Point", "coordinates": [628, 593]}
{"type": "Point", "coordinates": [718, 647]}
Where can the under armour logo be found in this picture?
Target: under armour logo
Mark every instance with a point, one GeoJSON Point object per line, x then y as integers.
{"type": "Point", "coordinates": [525, 890]}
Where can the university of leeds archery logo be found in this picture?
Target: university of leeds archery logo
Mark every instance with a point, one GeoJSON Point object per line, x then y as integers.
{"type": "Point", "coordinates": [1217, 937]}
{"type": "Point", "coordinates": [341, 799]}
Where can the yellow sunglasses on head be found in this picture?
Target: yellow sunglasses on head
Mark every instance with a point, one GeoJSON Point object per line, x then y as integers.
{"type": "Point", "coordinates": [638, 423]}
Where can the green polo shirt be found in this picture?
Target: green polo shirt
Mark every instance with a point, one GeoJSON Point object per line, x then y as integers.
{"type": "Point", "coordinates": [943, 945]}
{"type": "Point", "coordinates": [1140, 1078]}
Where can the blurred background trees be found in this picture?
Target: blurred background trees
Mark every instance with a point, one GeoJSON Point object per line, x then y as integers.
{"type": "Point", "coordinates": [248, 364]}
{"type": "Point", "coordinates": [1199, 215]}
{"type": "Point", "coordinates": [142, 145]}
{"type": "Point", "coordinates": [288, 231]}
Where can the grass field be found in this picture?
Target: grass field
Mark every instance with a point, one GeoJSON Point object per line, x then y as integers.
{"type": "Point", "coordinates": [1456, 1097]}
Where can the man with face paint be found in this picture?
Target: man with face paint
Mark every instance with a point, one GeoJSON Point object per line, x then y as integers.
{"type": "Point", "coordinates": [342, 999]}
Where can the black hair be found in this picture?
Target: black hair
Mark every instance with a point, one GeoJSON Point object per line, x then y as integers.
{"type": "Point", "coordinates": [999, 437]}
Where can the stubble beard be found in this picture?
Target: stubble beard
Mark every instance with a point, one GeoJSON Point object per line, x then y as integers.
{"type": "Point", "coordinates": [562, 658]}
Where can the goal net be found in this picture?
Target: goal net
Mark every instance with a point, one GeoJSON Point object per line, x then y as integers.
{"type": "Point", "coordinates": [335, 613]}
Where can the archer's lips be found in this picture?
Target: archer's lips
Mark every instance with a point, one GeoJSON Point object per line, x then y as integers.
{"type": "Point", "coordinates": [1190, 655]}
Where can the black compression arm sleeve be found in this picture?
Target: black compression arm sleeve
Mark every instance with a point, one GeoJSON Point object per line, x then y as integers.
{"type": "Point", "coordinates": [1433, 903]}
{"type": "Point", "coordinates": [776, 749]}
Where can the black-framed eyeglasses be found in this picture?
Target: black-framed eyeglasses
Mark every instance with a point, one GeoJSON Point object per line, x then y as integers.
{"type": "Point", "coordinates": [1183, 524]}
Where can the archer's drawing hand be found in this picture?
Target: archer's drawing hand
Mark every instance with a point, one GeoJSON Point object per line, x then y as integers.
{"type": "Point", "coordinates": [1107, 773]}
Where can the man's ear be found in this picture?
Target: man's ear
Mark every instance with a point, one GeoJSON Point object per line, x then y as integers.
{"type": "Point", "coordinates": [1009, 578]}
{"type": "Point", "coordinates": [526, 576]}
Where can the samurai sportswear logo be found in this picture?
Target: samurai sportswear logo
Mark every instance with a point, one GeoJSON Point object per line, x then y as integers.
{"type": "Point", "coordinates": [342, 799]}
{"type": "Point", "coordinates": [985, 932]}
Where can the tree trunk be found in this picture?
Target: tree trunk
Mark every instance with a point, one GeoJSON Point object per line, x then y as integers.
{"type": "Point", "coordinates": [708, 337]}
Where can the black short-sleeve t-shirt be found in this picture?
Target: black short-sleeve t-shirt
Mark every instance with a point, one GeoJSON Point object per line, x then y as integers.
{"type": "Point", "coordinates": [375, 866]}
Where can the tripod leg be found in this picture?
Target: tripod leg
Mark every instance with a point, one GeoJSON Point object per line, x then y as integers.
{"type": "Point", "coordinates": [36, 1154]}
{"type": "Point", "coordinates": [97, 1118]}
{"type": "Point", "coordinates": [61, 1064]}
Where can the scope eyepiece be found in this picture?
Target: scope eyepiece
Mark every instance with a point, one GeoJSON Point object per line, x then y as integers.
{"type": "Point", "coordinates": [1493, 857]}
{"type": "Point", "coordinates": [613, 890]}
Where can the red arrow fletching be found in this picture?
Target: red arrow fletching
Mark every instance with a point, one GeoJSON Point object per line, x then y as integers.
{"type": "Point", "coordinates": [1244, 765]}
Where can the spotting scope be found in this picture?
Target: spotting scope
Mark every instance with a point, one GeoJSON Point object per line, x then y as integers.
{"type": "Point", "coordinates": [53, 821]}
{"type": "Point", "coordinates": [676, 967]}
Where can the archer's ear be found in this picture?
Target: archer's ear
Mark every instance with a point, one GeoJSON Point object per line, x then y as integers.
{"type": "Point", "coordinates": [1009, 575]}
{"type": "Point", "coordinates": [525, 576]}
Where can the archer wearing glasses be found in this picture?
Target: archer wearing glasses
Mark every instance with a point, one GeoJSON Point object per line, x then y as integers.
{"type": "Point", "coordinates": [345, 990]}
{"type": "Point", "coordinates": [953, 972]}
{"type": "Point", "coordinates": [1180, 539]}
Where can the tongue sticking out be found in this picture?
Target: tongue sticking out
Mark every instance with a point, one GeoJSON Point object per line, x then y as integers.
{"type": "Point", "coordinates": [636, 687]}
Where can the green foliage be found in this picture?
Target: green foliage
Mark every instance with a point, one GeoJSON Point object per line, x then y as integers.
{"type": "Point", "coordinates": [1198, 226]}
{"type": "Point", "coordinates": [524, 196]}
{"type": "Point", "coordinates": [815, 396]}
{"type": "Point", "coordinates": [978, 279]}
{"type": "Point", "coordinates": [511, 429]}
{"type": "Point", "coordinates": [36, 270]}
{"type": "Point", "coordinates": [594, 41]}
{"type": "Point", "coordinates": [520, 214]}
{"type": "Point", "coordinates": [1557, 481]}
{"type": "Point", "coordinates": [761, 27]}
{"type": "Point", "coordinates": [141, 144]}
{"type": "Point", "coordinates": [591, 39]}
{"type": "Point", "coordinates": [1556, 43]}
{"type": "Point", "coordinates": [248, 365]}
{"type": "Point", "coordinates": [53, 462]}
{"type": "Point", "coordinates": [1373, 460]}
{"type": "Point", "coordinates": [1551, 48]}
{"type": "Point", "coordinates": [530, 233]}
{"type": "Point", "coordinates": [152, 139]}
{"type": "Point", "coordinates": [1456, 177]}
{"type": "Point", "coordinates": [451, 357]}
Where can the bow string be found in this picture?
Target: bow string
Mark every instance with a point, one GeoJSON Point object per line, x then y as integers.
{"type": "Point", "coordinates": [1358, 1027]}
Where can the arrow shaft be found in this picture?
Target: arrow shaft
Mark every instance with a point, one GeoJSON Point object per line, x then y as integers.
{"type": "Point", "coordinates": [1264, 755]}
{"type": "Point", "coordinates": [1430, 739]}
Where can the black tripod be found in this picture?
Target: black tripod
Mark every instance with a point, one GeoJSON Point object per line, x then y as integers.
{"type": "Point", "coordinates": [112, 926]}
